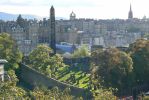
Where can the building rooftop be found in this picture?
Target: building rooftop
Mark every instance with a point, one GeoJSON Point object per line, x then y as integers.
{"type": "Point", "coordinates": [65, 48]}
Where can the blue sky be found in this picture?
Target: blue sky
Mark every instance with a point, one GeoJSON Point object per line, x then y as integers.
{"type": "Point", "coordinates": [97, 9]}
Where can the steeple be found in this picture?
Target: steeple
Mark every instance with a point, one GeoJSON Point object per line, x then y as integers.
{"type": "Point", "coordinates": [130, 7]}
{"type": "Point", "coordinates": [130, 14]}
{"type": "Point", "coordinates": [52, 27]}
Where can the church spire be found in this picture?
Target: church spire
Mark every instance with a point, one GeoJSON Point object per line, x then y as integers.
{"type": "Point", "coordinates": [130, 7]}
{"type": "Point", "coordinates": [130, 14]}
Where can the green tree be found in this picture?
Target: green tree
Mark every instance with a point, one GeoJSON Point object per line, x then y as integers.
{"type": "Point", "coordinates": [9, 51]}
{"type": "Point", "coordinates": [53, 94]}
{"type": "Point", "coordinates": [140, 54]}
{"type": "Point", "coordinates": [20, 21]}
{"type": "Point", "coordinates": [112, 67]}
{"type": "Point", "coordinates": [55, 62]}
{"type": "Point", "coordinates": [9, 90]}
{"type": "Point", "coordinates": [104, 94]}
{"type": "Point", "coordinates": [133, 29]}
{"type": "Point", "coordinates": [81, 52]}
{"type": "Point", "coordinates": [41, 60]}
{"type": "Point", "coordinates": [40, 57]}
{"type": "Point", "coordinates": [146, 36]}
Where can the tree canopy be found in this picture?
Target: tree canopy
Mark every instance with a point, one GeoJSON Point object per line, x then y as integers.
{"type": "Point", "coordinates": [9, 51]}
{"type": "Point", "coordinates": [41, 59]}
{"type": "Point", "coordinates": [8, 88]}
{"type": "Point", "coordinates": [53, 94]}
{"type": "Point", "coordinates": [140, 54]}
{"type": "Point", "coordinates": [81, 52]}
{"type": "Point", "coordinates": [20, 21]}
{"type": "Point", "coordinates": [112, 67]}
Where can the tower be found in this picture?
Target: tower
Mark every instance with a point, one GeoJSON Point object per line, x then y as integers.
{"type": "Point", "coordinates": [130, 14]}
{"type": "Point", "coordinates": [52, 26]}
{"type": "Point", "coordinates": [72, 16]}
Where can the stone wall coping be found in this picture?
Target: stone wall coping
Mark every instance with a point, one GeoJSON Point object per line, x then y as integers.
{"type": "Point", "coordinates": [53, 78]}
{"type": "Point", "coordinates": [3, 61]}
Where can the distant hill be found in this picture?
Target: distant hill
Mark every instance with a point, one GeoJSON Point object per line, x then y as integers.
{"type": "Point", "coordinates": [10, 17]}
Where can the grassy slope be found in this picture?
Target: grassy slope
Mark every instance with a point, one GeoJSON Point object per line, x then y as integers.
{"type": "Point", "coordinates": [63, 74]}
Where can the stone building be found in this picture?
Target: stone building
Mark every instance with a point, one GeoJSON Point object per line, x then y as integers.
{"type": "Point", "coordinates": [114, 32]}
{"type": "Point", "coordinates": [72, 16]}
{"type": "Point", "coordinates": [43, 31]}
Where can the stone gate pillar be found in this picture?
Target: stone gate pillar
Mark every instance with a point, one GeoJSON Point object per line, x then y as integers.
{"type": "Point", "coordinates": [2, 71]}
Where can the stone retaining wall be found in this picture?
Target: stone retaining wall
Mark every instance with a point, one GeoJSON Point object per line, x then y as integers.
{"type": "Point", "coordinates": [35, 78]}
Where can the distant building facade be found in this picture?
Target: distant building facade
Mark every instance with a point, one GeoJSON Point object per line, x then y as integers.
{"type": "Point", "coordinates": [106, 33]}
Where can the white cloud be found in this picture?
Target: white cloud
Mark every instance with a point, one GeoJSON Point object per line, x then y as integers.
{"type": "Point", "coordinates": [83, 8]}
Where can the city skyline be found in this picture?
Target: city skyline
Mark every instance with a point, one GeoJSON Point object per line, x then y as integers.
{"type": "Point", "coordinates": [96, 9]}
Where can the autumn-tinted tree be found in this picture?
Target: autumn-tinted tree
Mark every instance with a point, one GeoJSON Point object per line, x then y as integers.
{"type": "Point", "coordinates": [112, 67]}
{"type": "Point", "coordinates": [140, 55]}
{"type": "Point", "coordinates": [104, 94]}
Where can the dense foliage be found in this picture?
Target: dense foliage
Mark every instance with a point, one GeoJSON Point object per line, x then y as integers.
{"type": "Point", "coordinates": [8, 88]}
{"type": "Point", "coordinates": [140, 54]}
{"type": "Point", "coordinates": [10, 91]}
{"type": "Point", "coordinates": [42, 60]}
{"type": "Point", "coordinates": [109, 68]}
{"type": "Point", "coordinates": [113, 67]}
{"type": "Point", "coordinates": [104, 94]}
{"type": "Point", "coordinates": [53, 94]}
{"type": "Point", "coordinates": [40, 57]}
{"type": "Point", "coordinates": [9, 51]}
{"type": "Point", "coordinates": [81, 52]}
{"type": "Point", "coordinates": [122, 70]}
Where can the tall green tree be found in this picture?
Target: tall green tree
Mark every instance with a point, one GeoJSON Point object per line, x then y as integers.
{"type": "Point", "coordinates": [41, 59]}
{"type": "Point", "coordinates": [112, 67]}
{"type": "Point", "coordinates": [9, 51]}
{"type": "Point", "coordinates": [140, 54]}
{"type": "Point", "coordinates": [20, 21]}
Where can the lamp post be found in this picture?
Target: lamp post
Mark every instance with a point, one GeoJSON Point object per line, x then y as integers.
{"type": "Point", "coordinates": [2, 62]}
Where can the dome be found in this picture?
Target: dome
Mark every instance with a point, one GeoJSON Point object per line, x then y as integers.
{"type": "Point", "coordinates": [72, 14]}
